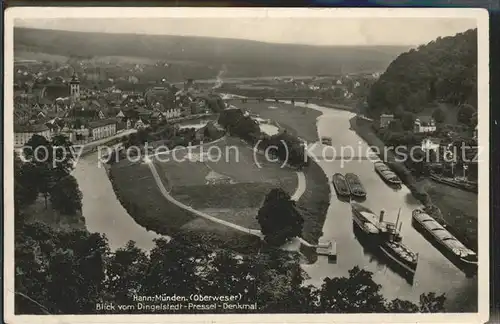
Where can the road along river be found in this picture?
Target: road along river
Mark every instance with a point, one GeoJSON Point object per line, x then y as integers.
{"type": "Point", "coordinates": [435, 273]}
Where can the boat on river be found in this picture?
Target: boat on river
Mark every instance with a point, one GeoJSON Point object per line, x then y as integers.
{"type": "Point", "coordinates": [446, 240]}
{"type": "Point", "coordinates": [326, 140]}
{"type": "Point", "coordinates": [401, 255]}
{"type": "Point", "coordinates": [387, 174]}
{"type": "Point", "coordinates": [386, 237]}
{"type": "Point", "coordinates": [366, 220]}
{"type": "Point", "coordinates": [355, 186]}
{"type": "Point", "coordinates": [340, 185]}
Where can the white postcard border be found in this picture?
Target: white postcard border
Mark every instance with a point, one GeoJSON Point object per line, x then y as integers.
{"type": "Point", "coordinates": [480, 15]}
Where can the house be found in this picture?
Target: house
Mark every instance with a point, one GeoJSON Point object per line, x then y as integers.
{"type": "Point", "coordinates": [173, 113]}
{"type": "Point", "coordinates": [102, 128]}
{"type": "Point", "coordinates": [139, 124]}
{"type": "Point", "coordinates": [23, 133]}
{"type": "Point", "coordinates": [424, 125]}
{"type": "Point", "coordinates": [120, 115]}
{"type": "Point", "coordinates": [157, 117]}
{"type": "Point", "coordinates": [385, 120]}
{"type": "Point", "coordinates": [429, 144]}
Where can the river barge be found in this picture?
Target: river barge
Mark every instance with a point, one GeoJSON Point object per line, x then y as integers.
{"type": "Point", "coordinates": [326, 140]}
{"type": "Point", "coordinates": [387, 174]}
{"type": "Point", "coordinates": [441, 236]}
{"type": "Point", "coordinates": [355, 186]}
{"type": "Point", "coordinates": [340, 185]}
{"type": "Point", "coordinates": [464, 185]}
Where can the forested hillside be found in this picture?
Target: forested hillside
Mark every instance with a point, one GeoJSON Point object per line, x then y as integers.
{"type": "Point", "coordinates": [445, 70]}
{"type": "Point", "coordinates": [240, 57]}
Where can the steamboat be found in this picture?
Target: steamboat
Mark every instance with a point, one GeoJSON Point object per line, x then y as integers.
{"type": "Point", "coordinates": [386, 236]}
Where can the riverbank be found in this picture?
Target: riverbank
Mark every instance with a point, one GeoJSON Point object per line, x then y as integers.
{"type": "Point", "coordinates": [139, 194]}
{"type": "Point", "coordinates": [338, 106]}
{"type": "Point", "coordinates": [452, 207]}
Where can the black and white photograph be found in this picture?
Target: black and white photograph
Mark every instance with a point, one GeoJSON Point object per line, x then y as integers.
{"type": "Point", "coordinates": [246, 165]}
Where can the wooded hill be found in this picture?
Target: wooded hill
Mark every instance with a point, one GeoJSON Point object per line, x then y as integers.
{"type": "Point", "coordinates": [240, 57]}
{"type": "Point", "coordinates": [444, 70]}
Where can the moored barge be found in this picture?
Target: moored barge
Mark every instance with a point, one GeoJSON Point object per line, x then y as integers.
{"type": "Point", "coordinates": [355, 186]}
{"type": "Point", "coordinates": [340, 185]}
{"type": "Point", "coordinates": [449, 242]}
{"type": "Point", "coordinates": [387, 174]}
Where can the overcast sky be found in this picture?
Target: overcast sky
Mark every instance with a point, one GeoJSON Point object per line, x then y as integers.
{"type": "Point", "coordinates": [313, 31]}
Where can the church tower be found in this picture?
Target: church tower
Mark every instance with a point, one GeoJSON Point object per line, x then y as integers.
{"type": "Point", "coordinates": [74, 88]}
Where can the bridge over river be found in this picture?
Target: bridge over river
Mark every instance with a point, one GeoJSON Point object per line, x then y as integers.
{"type": "Point", "coordinates": [276, 99]}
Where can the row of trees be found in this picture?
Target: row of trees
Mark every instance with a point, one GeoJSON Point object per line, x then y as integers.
{"type": "Point", "coordinates": [285, 146]}
{"type": "Point", "coordinates": [71, 272]}
{"type": "Point", "coordinates": [45, 168]}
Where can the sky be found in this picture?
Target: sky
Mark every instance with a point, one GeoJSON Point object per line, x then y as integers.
{"type": "Point", "coordinates": [311, 31]}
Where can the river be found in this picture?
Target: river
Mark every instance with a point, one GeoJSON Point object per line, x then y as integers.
{"type": "Point", "coordinates": [103, 213]}
{"type": "Point", "coordinates": [435, 273]}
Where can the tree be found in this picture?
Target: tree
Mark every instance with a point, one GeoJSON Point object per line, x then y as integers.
{"type": "Point", "coordinates": [66, 196]}
{"type": "Point", "coordinates": [279, 218]}
{"type": "Point", "coordinates": [396, 126]}
{"type": "Point", "coordinates": [439, 115]}
{"type": "Point", "coordinates": [63, 155]}
{"type": "Point", "coordinates": [443, 70]}
{"type": "Point", "coordinates": [357, 293]}
{"type": "Point", "coordinates": [48, 162]}
{"type": "Point", "coordinates": [125, 272]}
{"type": "Point", "coordinates": [39, 152]}
{"type": "Point", "coordinates": [432, 303]}
{"type": "Point", "coordinates": [59, 272]}
{"type": "Point", "coordinates": [465, 114]}
{"type": "Point", "coordinates": [25, 191]}
{"type": "Point", "coordinates": [408, 120]}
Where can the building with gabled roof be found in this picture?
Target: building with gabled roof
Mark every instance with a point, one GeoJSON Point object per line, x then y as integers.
{"type": "Point", "coordinates": [23, 133]}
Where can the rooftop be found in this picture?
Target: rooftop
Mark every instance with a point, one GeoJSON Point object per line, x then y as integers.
{"type": "Point", "coordinates": [102, 123]}
{"type": "Point", "coordinates": [37, 128]}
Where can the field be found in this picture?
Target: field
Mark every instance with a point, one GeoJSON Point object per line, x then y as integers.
{"type": "Point", "coordinates": [297, 120]}
{"type": "Point", "coordinates": [231, 187]}
{"type": "Point", "coordinates": [137, 191]}
{"type": "Point", "coordinates": [300, 121]}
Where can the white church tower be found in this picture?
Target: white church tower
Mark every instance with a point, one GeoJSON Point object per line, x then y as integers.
{"type": "Point", "coordinates": [74, 88]}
